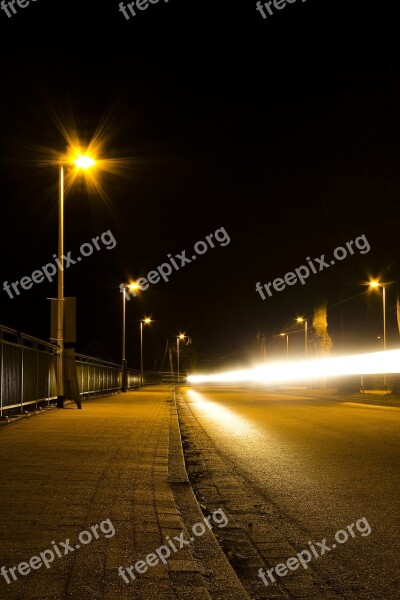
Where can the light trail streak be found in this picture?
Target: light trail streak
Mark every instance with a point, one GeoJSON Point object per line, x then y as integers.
{"type": "Point", "coordinates": [305, 370]}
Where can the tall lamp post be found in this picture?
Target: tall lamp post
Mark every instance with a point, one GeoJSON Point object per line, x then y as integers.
{"type": "Point", "coordinates": [123, 287]}
{"type": "Point", "coordinates": [287, 343]}
{"type": "Point", "coordinates": [181, 336]}
{"type": "Point", "coordinates": [301, 320]}
{"type": "Point", "coordinates": [81, 162]}
{"type": "Point", "coordinates": [146, 321]}
{"type": "Point", "coordinates": [377, 284]}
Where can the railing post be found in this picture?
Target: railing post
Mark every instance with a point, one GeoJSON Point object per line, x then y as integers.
{"type": "Point", "coordinates": [49, 363]}
{"type": "Point", "coordinates": [22, 371]}
{"type": "Point", "coordinates": [36, 346]}
{"type": "Point", "coordinates": [1, 376]}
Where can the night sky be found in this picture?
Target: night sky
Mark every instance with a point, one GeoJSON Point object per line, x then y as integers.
{"type": "Point", "coordinates": [283, 131]}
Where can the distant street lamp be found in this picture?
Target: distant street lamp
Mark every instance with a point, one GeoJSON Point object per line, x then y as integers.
{"type": "Point", "coordinates": [146, 321]}
{"type": "Point", "coordinates": [133, 286]}
{"type": "Point", "coordinates": [287, 343]}
{"type": "Point", "coordinates": [181, 336]}
{"type": "Point", "coordinates": [301, 320]}
{"type": "Point", "coordinates": [81, 162]}
{"type": "Point", "coordinates": [376, 285]}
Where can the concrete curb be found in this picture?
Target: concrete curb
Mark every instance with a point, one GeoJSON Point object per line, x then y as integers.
{"type": "Point", "coordinates": [186, 570]}
{"type": "Point", "coordinates": [177, 467]}
{"type": "Point", "coordinates": [223, 579]}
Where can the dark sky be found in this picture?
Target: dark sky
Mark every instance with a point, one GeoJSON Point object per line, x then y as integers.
{"type": "Point", "coordinates": [283, 131]}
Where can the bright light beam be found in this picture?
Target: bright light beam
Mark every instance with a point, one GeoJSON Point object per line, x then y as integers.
{"type": "Point", "coordinates": [84, 162]}
{"type": "Point", "coordinates": [306, 370]}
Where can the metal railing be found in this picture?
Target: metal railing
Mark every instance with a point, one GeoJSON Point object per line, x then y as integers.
{"type": "Point", "coordinates": [170, 378]}
{"type": "Point", "coordinates": [28, 376]}
{"type": "Point", "coordinates": [26, 369]}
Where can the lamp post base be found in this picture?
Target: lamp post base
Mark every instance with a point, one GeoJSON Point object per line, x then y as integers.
{"type": "Point", "coordinates": [124, 382]}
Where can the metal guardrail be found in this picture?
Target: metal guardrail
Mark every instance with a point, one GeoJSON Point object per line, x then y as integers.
{"type": "Point", "coordinates": [27, 372]}
{"type": "Point", "coordinates": [26, 369]}
{"type": "Point", "coordinates": [169, 378]}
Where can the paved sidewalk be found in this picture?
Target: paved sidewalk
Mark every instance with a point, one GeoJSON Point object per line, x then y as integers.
{"type": "Point", "coordinates": [68, 470]}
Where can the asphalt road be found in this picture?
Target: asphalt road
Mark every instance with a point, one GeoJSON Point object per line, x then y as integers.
{"type": "Point", "coordinates": [325, 464]}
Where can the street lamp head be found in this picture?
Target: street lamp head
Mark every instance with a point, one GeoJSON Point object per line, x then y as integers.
{"type": "Point", "coordinates": [84, 162]}
{"type": "Point", "coordinates": [146, 320]}
{"type": "Point", "coordinates": [374, 284]}
{"type": "Point", "coordinates": [300, 320]}
{"type": "Point", "coordinates": [133, 286]}
{"type": "Point", "coordinates": [182, 336]}
{"type": "Point", "coordinates": [282, 334]}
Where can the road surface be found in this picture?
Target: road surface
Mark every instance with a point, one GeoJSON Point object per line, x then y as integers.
{"type": "Point", "coordinates": [301, 469]}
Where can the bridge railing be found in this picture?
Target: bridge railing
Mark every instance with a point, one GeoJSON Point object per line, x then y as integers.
{"type": "Point", "coordinates": [27, 372]}
{"type": "Point", "coordinates": [26, 369]}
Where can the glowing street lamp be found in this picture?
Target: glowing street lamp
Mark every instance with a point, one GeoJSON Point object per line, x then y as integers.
{"type": "Point", "coordinates": [180, 337]}
{"type": "Point", "coordinates": [301, 320]}
{"type": "Point", "coordinates": [81, 162]}
{"type": "Point", "coordinates": [84, 162]}
{"type": "Point", "coordinates": [287, 342]}
{"type": "Point", "coordinates": [377, 285]}
{"type": "Point", "coordinates": [146, 321]}
{"type": "Point", "coordinates": [132, 287]}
